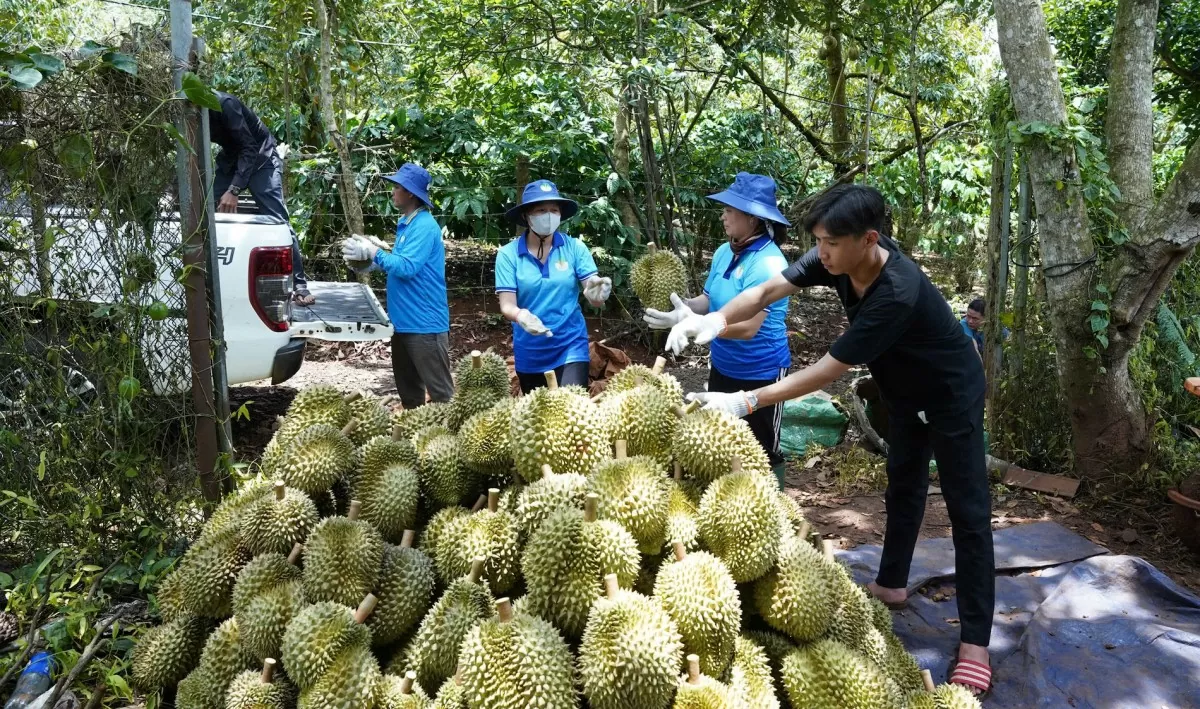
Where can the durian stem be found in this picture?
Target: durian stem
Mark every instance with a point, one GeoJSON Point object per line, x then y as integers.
{"type": "Point", "coordinates": [293, 557]}
{"type": "Point", "coordinates": [406, 541]}
{"type": "Point", "coordinates": [659, 364]}
{"type": "Point", "coordinates": [493, 499]}
{"type": "Point", "coordinates": [927, 679]}
{"type": "Point", "coordinates": [397, 432]}
{"type": "Point", "coordinates": [504, 608]}
{"type": "Point", "coordinates": [547, 471]}
{"type": "Point", "coordinates": [622, 450]}
{"type": "Point", "coordinates": [735, 464]}
{"type": "Point", "coordinates": [476, 359]}
{"type": "Point", "coordinates": [680, 551]}
{"type": "Point", "coordinates": [352, 397]}
{"type": "Point", "coordinates": [365, 608]}
{"type": "Point", "coordinates": [278, 422]}
{"type": "Point", "coordinates": [693, 669]}
{"type": "Point", "coordinates": [458, 675]}
{"type": "Point", "coordinates": [590, 505]}
{"type": "Point", "coordinates": [406, 684]}
{"type": "Point", "coordinates": [387, 400]}
{"type": "Point", "coordinates": [827, 548]}
{"type": "Point", "coordinates": [805, 528]}
{"type": "Point", "coordinates": [682, 411]}
{"type": "Point", "coordinates": [651, 248]}
{"type": "Point", "coordinates": [678, 471]}
{"type": "Point", "coordinates": [814, 538]}
{"type": "Point", "coordinates": [355, 509]}
{"type": "Point", "coordinates": [350, 427]}
{"type": "Point", "coordinates": [268, 672]}
{"type": "Point", "coordinates": [611, 587]}
{"type": "Point", "coordinates": [551, 380]}
{"type": "Point", "coordinates": [479, 503]}
{"type": "Point", "coordinates": [476, 569]}
{"type": "Point", "coordinates": [280, 489]}
{"type": "Point", "coordinates": [596, 399]}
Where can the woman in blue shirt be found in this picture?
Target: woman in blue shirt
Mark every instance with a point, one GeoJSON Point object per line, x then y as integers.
{"type": "Point", "coordinates": [754, 353]}
{"type": "Point", "coordinates": [539, 276]}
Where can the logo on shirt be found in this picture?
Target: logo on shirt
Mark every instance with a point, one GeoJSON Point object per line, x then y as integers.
{"type": "Point", "coordinates": [738, 272]}
{"type": "Point", "coordinates": [402, 240]}
{"type": "Point", "coordinates": [560, 265]}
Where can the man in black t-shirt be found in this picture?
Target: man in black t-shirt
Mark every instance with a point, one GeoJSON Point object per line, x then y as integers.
{"type": "Point", "coordinates": [930, 378]}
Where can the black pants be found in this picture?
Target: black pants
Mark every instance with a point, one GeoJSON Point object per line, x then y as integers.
{"type": "Point", "coordinates": [956, 441]}
{"type": "Point", "coordinates": [266, 187]}
{"type": "Point", "coordinates": [571, 373]}
{"type": "Point", "coordinates": [765, 421]}
{"type": "Point", "coordinates": [420, 363]}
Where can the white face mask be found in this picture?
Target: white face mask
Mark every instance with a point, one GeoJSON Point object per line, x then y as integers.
{"type": "Point", "coordinates": [545, 223]}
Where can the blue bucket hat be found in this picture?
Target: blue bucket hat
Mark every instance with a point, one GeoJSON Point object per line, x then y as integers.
{"type": "Point", "coordinates": [541, 191]}
{"type": "Point", "coordinates": [753, 194]}
{"type": "Point", "coordinates": [413, 178]}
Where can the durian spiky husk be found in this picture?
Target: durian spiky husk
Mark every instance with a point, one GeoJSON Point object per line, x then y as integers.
{"type": "Point", "coordinates": [268, 593]}
{"type": "Point", "coordinates": [444, 479]}
{"type": "Point", "coordinates": [437, 524]}
{"type": "Point", "coordinates": [167, 653]}
{"type": "Point", "coordinates": [495, 536]}
{"type": "Point", "coordinates": [392, 500]}
{"type": "Point", "coordinates": [681, 519]}
{"type": "Point", "coordinates": [635, 493]}
{"type": "Point", "coordinates": [273, 525]}
{"type": "Point", "coordinates": [655, 275]}
{"type": "Point", "coordinates": [643, 417]}
{"type": "Point", "coordinates": [739, 523]}
{"type": "Point", "coordinates": [561, 428]}
{"type": "Point", "coordinates": [630, 654]}
{"type": "Point", "coordinates": [539, 499]}
{"type": "Point", "coordinates": [248, 691]}
{"type": "Point", "coordinates": [953, 696]}
{"type": "Point", "coordinates": [373, 419]}
{"type": "Point", "coordinates": [317, 637]}
{"type": "Point", "coordinates": [376, 456]}
{"type": "Point", "coordinates": [467, 402]}
{"type": "Point", "coordinates": [702, 598]}
{"type": "Point", "coordinates": [221, 660]}
{"type": "Point", "coordinates": [319, 403]}
{"type": "Point", "coordinates": [315, 459]}
{"type": "Point", "coordinates": [484, 441]}
{"type": "Point", "coordinates": [433, 651]}
{"type": "Point", "coordinates": [390, 694]}
{"type": "Point", "coordinates": [341, 561]}
{"type": "Point", "coordinates": [452, 695]}
{"type": "Point", "coordinates": [411, 421]}
{"type": "Point", "coordinates": [492, 374]}
{"type": "Point", "coordinates": [800, 597]}
{"type": "Point", "coordinates": [707, 693]}
{"type": "Point", "coordinates": [230, 513]}
{"type": "Point", "coordinates": [636, 375]}
{"type": "Point", "coordinates": [405, 590]}
{"type": "Point", "coordinates": [776, 646]}
{"type": "Point", "coordinates": [792, 518]}
{"type": "Point", "coordinates": [750, 676]}
{"type": "Point", "coordinates": [829, 674]}
{"type": "Point", "coordinates": [565, 562]}
{"type": "Point", "coordinates": [169, 595]}
{"type": "Point", "coordinates": [522, 662]}
{"type": "Point", "coordinates": [207, 573]}
{"type": "Point", "coordinates": [707, 440]}
{"type": "Point", "coordinates": [350, 681]}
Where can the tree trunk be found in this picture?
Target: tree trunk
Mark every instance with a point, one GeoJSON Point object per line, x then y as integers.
{"type": "Point", "coordinates": [997, 283]}
{"type": "Point", "coordinates": [347, 189]}
{"type": "Point", "coordinates": [1021, 277]}
{"type": "Point", "coordinates": [1129, 122]}
{"type": "Point", "coordinates": [835, 72]}
{"type": "Point", "coordinates": [621, 158]}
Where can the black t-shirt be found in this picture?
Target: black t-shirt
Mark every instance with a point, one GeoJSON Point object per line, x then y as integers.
{"type": "Point", "coordinates": [904, 331]}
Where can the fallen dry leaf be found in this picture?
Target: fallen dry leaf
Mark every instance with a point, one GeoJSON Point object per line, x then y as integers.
{"type": "Point", "coordinates": [1096, 526]}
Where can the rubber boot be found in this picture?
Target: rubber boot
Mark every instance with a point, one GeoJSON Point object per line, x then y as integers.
{"type": "Point", "coordinates": [780, 471]}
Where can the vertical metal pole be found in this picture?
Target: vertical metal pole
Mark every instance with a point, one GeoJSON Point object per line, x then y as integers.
{"type": "Point", "coordinates": [191, 220]}
{"type": "Point", "coordinates": [216, 314]}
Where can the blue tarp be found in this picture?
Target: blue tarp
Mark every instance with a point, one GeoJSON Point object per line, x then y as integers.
{"type": "Point", "coordinates": [1074, 626]}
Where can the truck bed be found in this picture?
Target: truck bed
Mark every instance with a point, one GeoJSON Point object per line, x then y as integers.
{"type": "Point", "coordinates": [344, 312]}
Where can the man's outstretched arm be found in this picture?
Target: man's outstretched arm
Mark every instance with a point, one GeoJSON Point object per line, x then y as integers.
{"type": "Point", "coordinates": [749, 303]}
{"type": "Point", "coordinates": [794, 385]}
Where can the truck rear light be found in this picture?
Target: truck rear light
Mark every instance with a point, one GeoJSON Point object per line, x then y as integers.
{"type": "Point", "coordinates": [271, 285]}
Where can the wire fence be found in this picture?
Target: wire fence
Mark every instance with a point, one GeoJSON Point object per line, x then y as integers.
{"type": "Point", "coordinates": [96, 415]}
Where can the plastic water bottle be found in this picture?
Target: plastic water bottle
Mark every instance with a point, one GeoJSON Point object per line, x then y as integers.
{"type": "Point", "coordinates": [34, 681]}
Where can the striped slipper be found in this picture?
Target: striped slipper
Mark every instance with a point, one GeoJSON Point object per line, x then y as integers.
{"type": "Point", "coordinates": [971, 674]}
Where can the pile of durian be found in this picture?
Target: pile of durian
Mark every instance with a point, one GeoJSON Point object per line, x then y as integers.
{"type": "Point", "coordinates": [550, 551]}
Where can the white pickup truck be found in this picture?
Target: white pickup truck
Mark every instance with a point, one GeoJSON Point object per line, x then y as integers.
{"type": "Point", "coordinates": [265, 334]}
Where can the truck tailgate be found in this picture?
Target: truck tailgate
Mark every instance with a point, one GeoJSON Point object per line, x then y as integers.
{"type": "Point", "coordinates": [344, 312]}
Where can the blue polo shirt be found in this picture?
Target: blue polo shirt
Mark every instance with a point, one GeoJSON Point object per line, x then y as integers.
{"type": "Point", "coordinates": [762, 356]}
{"type": "Point", "coordinates": [550, 291]}
{"type": "Point", "coordinates": [416, 276]}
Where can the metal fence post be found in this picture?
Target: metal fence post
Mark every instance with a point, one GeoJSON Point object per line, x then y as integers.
{"type": "Point", "coordinates": [191, 217]}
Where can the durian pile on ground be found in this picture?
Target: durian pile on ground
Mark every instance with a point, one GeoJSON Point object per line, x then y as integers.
{"type": "Point", "coordinates": [496, 553]}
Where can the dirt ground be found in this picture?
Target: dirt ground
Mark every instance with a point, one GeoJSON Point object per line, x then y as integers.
{"type": "Point", "coordinates": [1138, 526]}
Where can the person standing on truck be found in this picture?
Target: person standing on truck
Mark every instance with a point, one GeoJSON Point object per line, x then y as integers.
{"type": "Point", "coordinates": [416, 291]}
{"type": "Point", "coordinates": [539, 276]}
{"type": "Point", "coordinates": [248, 160]}
{"type": "Point", "coordinates": [930, 377]}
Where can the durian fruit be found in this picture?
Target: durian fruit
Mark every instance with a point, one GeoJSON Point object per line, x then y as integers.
{"type": "Point", "coordinates": [484, 441]}
{"type": "Point", "coordinates": [388, 485]}
{"type": "Point", "coordinates": [631, 652]}
{"type": "Point", "coordinates": [169, 596]}
{"type": "Point", "coordinates": [488, 533]}
{"type": "Point", "coordinates": [707, 440]}
{"type": "Point", "coordinates": [230, 513]}
{"type": "Point", "coordinates": [776, 646]}
{"type": "Point", "coordinates": [483, 370]}
{"type": "Point", "coordinates": [899, 665]}
{"type": "Point", "coordinates": [517, 660]}
{"type": "Point", "coordinates": [739, 522]}
{"type": "Point", "coordinates": [682, 511]}
{"type": "Point", "coordinates": [699, 593]}
{"type": "Point", "coordinates": [341, 559]}
{"type": "Point", "coordinates": [320, 403]}
{"type": "Point", "coordinates": [261, 690]}
{"type": "Point", "coordinates": [452, 695]}
{"type": "Point", "coordinates": [552, 492]}
{"type": "Point", "coordinates": [319, 636]}
{"type": "Point", "coordinates": [800, 597]}
{"type": "Point", "coordinates": [566, 560]}
{"type": "Point", "coordinates": [436, 525]}
{"type": "Point", "coordinates": [207, 573]}
{"type": "Point", "coordinates": [636, 375]}
{"type": "Point", "coordinates": [635, 493]}
{"type": "Point", "coordinates": [644, 416]}
{"type": "Point", "coordinates": [167, 653]}
{"type": "Point", "coordinates": [444, 479]}
{"type": "Point", "coordinates": [401, 693]}
{"type": "Point", "coordinates": [433, 651]}
{"type": "Point", "coordinates": [792, 520]}
{"type": "Point", "coordinates": [949, 696]}
{"type": "Point", "coordinates": [826, 673]}
{"type": "Point", "coordinates": [373, 419]}
{"type": "Point", "coordinates": [377, 455]}
{"type": "Point", "coordinates": [316, 458]}
{"type": "Point", "coordinates": [276, 523]}
{"type": "Point", "coordinates": [351, 681]}
{"type": "Point", "coordinates": [268, 593]}
{"type": "Point", "coordinates": [699, 691]}
{"type": "Point", "coordinates": [750, 676]}
{"type": "Point", "coordinates": [222, 659]}
{"type": "Point", "coordinates": [881, 617]}
{"type": "Point", "coordinates": [412, 421]}
{"type": "Point", "coordinates": [559, 427]}
{"type": "Point", "coordinates": [466, 403]}
{"type": "Point", "coordinates": [655, 276]}
{"type": "Point", "coordinates": [404, 590]}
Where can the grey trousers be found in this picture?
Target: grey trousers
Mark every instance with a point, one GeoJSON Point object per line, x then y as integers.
{"type": "Point", "coordinates": [421, 363]}
{"type": "Point", "coordinates": [266, 187]}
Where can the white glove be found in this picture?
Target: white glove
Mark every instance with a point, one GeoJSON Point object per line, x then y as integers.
{"type": "Point", "coordinates": [358, 248]}
{"type": "Point", "coordinates": [701, 328]}
{"type": "Point", "coordinates": [532, 324]}
{"type": "Point", "coordinates": [659, 320]}
{"type": "Point", "coordinates": [736, 403]}
{"type": "Point", "coordinates": [597, 290]}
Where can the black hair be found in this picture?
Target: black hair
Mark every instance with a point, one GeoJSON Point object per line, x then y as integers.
{"type": "Point", "coordinates": [979, 305]}
{"type": "Point", "coordinates": [777, 231]}
{"type": "Point", "coordinates": [848, 210]}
